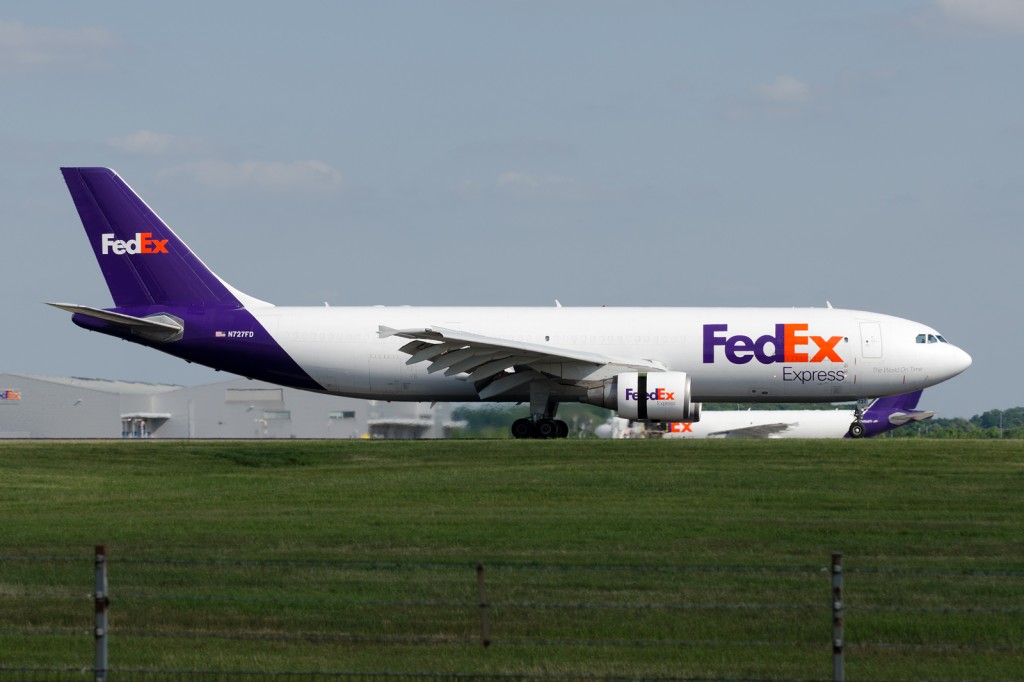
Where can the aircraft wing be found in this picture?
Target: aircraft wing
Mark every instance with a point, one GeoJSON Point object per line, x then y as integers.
{"type": "Point", "coordinates": [755, 431]}
{"type": "Point", "coordinates": [507, 363]}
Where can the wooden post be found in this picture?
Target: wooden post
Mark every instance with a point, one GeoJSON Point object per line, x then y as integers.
{"type": "Point", "coordinates": [485, 626]}
{"type": "Point", "coordinates": [838, 671]}
{"type": "Point", "coordinates": [102, 628]}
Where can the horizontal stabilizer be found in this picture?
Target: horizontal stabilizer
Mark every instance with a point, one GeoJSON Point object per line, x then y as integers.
{"type": "Point", "coordinates": [155, 327]}
{"type": "Point", "coordinates": [903, 418]}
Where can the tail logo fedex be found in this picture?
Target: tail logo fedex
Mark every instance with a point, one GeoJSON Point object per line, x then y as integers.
{"type": "Point", "coordinates": [788, 344]}
{"type": "Point", "coordinates": [143, 243]}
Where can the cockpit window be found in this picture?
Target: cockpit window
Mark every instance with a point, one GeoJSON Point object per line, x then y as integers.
{"type": "Point", "coordinates": [942, 340]}
{"type": "Point", "coordinates": [931, 338]}
{"type": "Point", "coordinates": [921, 338]}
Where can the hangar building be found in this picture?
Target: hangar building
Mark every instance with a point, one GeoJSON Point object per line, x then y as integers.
{"type": "Point", "coordinates": [67, 407]}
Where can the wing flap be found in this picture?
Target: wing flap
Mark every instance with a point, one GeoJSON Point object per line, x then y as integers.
{"type": "Point", "coordinates": [505, 384]}
{"type": "Point", "coordinates": [488, 370]}
{"type": "Point", "coordinates": [473, 362]}
{"type": "Point", "coordinates": [430, 351]}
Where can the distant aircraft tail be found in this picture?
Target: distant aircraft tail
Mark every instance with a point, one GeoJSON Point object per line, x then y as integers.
{"type": "Point", "coordinates": [143, 261]}
{"type": "Point", "coordinates": [895, 403]}
{"type": "Point", "coordinates": [886, 414]}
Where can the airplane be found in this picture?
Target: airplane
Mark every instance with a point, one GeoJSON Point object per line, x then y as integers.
{"type": "Point", "coordinates": [646, 363]}
{"type": "Point", "coordinates": [881, 416]}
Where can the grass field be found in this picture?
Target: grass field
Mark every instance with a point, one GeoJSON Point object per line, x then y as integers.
{"type": "Point", "coordinates": [633, 558]}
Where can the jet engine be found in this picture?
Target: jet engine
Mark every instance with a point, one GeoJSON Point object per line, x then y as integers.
{"type": "Point", "coordinates": [647, 396]}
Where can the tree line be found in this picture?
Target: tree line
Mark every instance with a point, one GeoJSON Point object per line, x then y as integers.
{"type": "Point", "coordinates": [992, 424]}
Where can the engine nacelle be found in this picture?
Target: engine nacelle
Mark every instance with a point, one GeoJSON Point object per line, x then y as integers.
{"type": "Point", "coordinates": [647, 396]}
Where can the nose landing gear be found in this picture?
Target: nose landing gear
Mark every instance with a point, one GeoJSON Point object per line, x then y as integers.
{"type": "Point", "coordinates": [857, 428]}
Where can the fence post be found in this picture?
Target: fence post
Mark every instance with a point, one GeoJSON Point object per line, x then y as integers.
{"type": "Point", "coordinates": [102, 601]}
{"type": "Point", "coordinates": [838, 671]}
{"type": "Point", "coordinates": [485, 626]}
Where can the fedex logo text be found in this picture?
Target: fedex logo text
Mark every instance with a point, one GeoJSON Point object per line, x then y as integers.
{"type": "Point", "coordinates": [143, 243]}
{"type": "Point", "coordinates": [787, 344]}
{"type": "Point", "coordinates": [656, 394]}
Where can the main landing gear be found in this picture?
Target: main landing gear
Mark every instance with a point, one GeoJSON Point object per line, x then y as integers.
{"type": "Point", "coordinates": [541, 423]}
{"type": "Point", "coordinates": [528, 427]}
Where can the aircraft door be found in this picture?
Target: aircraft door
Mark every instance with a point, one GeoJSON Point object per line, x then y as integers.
{"type": "Point", "coordinates": [871, 340]}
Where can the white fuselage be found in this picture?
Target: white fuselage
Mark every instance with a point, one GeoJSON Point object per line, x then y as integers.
{"type": "Point", "coordinates": [731, 354]}
{"type": "Point", "coordinates": [775, 424]}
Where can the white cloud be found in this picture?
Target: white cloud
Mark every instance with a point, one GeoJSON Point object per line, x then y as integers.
{"type": "Point", "coordinates": [26, 47]}
{"type": "Point", "coordinates": [514, 180]}
{"type": "Point", "coordinates": [1001, 15]}
{"type": "Point", "coordinates": [520, 186]}
{"type": "Point", "coordinates": [527, 185]}
{"type": "Point", "coordinates": [783, 97]}
{"type": "Point", "coordinates": [315, 176]}
{"type": "Point", "coordinates": [519, 150]}
{"type": "Point", "coordinates": [785, 89]}
{"type": "Point", "coordinates": [144, 142]}
{"type": "Point", "coordinates": [151, 143]}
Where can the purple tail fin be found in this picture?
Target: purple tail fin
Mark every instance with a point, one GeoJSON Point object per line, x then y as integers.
{"type": "Point", "coordinates": [892, 412]}
{"type": "Point", "coordinates": [142, 260]}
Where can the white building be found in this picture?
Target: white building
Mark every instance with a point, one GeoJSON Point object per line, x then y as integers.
{"type": "Point", "coordinates": [59, 407]}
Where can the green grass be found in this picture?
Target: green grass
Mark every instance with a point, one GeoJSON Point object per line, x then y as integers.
{"type": "Point", "coordinates": [360, 556]}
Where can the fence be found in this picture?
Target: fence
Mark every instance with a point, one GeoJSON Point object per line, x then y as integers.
{"type": "Point", "coordinates": [550, 621]}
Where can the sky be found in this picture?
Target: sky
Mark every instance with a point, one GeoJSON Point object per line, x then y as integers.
{"type": "Point", "coordinates": [735, 153]}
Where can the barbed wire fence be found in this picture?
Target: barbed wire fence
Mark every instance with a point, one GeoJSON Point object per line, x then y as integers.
{"type": "Point", "coordinates": [529, 607]}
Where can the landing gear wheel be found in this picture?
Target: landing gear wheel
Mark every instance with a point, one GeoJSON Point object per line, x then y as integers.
{"type": "Point", "coordinates": [857, 430]}
{"type": "Point", "coordinates": [547, 428]}
{"type": "Point", "coordinates": [522, 428]}
{"type": "Point", "coordinates": [539, 427]}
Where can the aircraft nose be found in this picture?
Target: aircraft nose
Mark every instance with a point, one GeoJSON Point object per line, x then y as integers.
{"type": "Point", "coordinates": [958, 361]}
{"type": "Point", "coordinates": [965, 359]}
